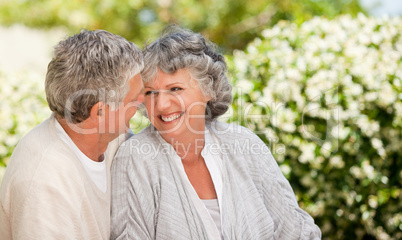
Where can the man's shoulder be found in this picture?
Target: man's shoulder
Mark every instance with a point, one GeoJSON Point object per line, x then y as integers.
{"type": "Point", "coordinates": [39, 155]}
{"type": "Point", "coordinates": [40, 141]}
{"type": "Point", "coordinates": [39, 132]}
{"type": "Point", "coordinates": [33, 145]}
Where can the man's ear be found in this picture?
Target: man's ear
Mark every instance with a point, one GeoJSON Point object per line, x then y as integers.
{"type": "Point", "coordinates": [98, 111]}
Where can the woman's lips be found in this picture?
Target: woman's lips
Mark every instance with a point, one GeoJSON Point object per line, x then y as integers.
{"type": "Point", "coordinates": [171, 117]}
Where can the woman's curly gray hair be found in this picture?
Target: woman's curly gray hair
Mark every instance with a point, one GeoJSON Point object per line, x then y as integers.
{"type": "Point", "coordinates": [89, 67]}
{"type": "Point", "coordinates": [182, 49]}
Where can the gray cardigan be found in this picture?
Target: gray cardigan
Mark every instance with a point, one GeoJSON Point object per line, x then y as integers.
{"type": "Point", "coordinates": [150, 201]}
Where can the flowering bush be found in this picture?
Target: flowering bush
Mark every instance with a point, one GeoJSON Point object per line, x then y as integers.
{"type": "Point", "coordinates": [326, 96]}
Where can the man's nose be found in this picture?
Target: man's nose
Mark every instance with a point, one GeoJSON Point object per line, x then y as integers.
{"type": "Point", "coordinates": [140, 98]}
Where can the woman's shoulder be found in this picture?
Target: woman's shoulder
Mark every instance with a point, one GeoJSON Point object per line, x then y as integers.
{"type": "Point", "coordinates": [146, 135]}
{"type": "Point", "coordinates": [142, 148]}
{"type": "Point", "coordinates": [137, 143]}
{"type": "Point", "coordinates": [231, 132]}
{"type": "Point", "coordinates": [240, 143]}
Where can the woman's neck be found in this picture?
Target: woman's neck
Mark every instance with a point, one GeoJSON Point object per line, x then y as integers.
{"type": "Point", "coordinates": [188, 146]}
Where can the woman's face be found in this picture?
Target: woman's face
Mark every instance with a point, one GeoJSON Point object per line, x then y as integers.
{"type": "Point", "coordinates": [175, 104]}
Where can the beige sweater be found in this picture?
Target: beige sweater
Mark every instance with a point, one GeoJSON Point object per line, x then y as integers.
{"type": "Point", "coordinates": [47, 194]}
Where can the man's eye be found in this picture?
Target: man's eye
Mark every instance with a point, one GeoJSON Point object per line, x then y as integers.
{"type": "Point", "coordinates": [175, 89]}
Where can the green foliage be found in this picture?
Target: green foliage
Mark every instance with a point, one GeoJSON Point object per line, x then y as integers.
{"type": "Point", "coordinates": [326, 96]}
{"type": "Point", "coordinates": [229, 23]}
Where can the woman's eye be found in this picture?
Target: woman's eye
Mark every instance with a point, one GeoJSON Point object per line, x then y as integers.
{"type": "Point", "coordinates": [176, 89]}
{"type": "Point", "coordinates": [147, 93]}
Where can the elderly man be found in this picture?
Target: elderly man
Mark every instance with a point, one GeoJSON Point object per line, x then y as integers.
{"type": "Point", "coordinates": [57, 183]}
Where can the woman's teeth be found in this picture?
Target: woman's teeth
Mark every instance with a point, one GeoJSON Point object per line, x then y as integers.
{"type": "Point", "coordinates": [171, 118]}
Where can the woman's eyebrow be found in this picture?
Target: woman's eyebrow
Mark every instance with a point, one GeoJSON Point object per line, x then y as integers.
{"type": "Point", "coordinates": [175, 83]}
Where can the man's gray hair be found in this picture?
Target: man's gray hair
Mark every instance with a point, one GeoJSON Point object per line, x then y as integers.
{"type": "Point", "coordinates": [87, 68]}
{"type": "Point", "coordinates": [182, 49]}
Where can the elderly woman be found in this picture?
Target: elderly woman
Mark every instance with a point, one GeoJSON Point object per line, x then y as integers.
{"type": "Point", "coordinates": [188, 176]}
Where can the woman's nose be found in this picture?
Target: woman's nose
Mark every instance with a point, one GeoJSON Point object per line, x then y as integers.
{"type": "Point", "coordinates": [163, 101]}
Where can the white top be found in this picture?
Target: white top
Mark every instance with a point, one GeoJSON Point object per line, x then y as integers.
{"type": "Point", "coordinates": [213, 209]}
{"type": "Point", "coordinates": [95, 170]}
{"type": "Point", "coordinates": [212, 222]}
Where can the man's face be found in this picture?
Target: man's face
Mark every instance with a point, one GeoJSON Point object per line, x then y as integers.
{"type": "Point", "coordinates": [118, 121]}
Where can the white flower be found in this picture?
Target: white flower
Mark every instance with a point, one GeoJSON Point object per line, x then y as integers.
{"type": "Point", "coordinates": [301, 64]}
{"type": "Point", "coordinates": [354, 89]}
{"type": "Point", "coordinates": [386, 95]}
{"type": "Point", "coordinates": [376, 143]}
{"type": "Point", "coordinates": [370, 96]}
{"type": "Point", "coordinates": [337, 161]}
{"type": "Point", "coordinates": [326, 149]}
{"type": "Point", "coordinates": [368, 170]}
{"type": "Point", "coordinates": [293, 74]}
{"type": "Point", "coordinates": [397, 83]}
{"type": "Point", "coordinates": [398, 109]}
{"type": "Point", "coordinates": [367, 127]}
{"type": "Point", "coordinates": [285, 169]}
{"type": "Point", "coordinates": [252, 49]}
{"type": "Point", "coordinates": [245, 85]}
{"type": "Point", "coordinates": [240, 61]}
{"type": "Point", "coordinates": [356, 172]}
{"type": "Point", "coordinates": [308, 154]}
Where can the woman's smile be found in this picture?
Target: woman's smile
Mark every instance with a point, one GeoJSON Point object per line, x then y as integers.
{"type": "Point", "coordinates": [171, 117]}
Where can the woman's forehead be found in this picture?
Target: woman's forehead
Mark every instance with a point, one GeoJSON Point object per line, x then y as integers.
{"type": "Point", "coordinates": [162, 79]}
